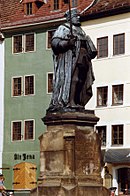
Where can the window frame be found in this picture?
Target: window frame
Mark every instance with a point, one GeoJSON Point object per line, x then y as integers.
{"type": "Point", "coordinates": [74, 3]}
{"type": "Point", "coordinates": [118, 137]}
{"type": "Point", "coordinates": [12, 86]}
{"type": "Point", "coordinates": [47, 79]}
{"type": "Point", "coordinates": [12, 131]}
{"type": "Point", "coordinates": [48, 38]}
{"type": "Point", "coordinates": [116, 46]}
{"type": "Point", "coordinates": [102, 99]}
{"type": "Point", "coordinates": [23, 87]}
{"type": "Point", "coordinates": [13, 43]}
{"type": "Point", "coordinates": [25, 51]}
{"type": "Point", "coordinates": [56, 4]}
{"type": "Point", "coordinates": [28, 9]}
{"type": "Point", "coordinates": [116, 103]}
{"type": "Point", "coordinates": [33, 85]}
{"type": "Point", "coordinates": [102, 135]}
{"type": "Point", "coordinates": [100, 53]}
{"type": "Point", "coordinates": [24, 43]}
{"type": "Point", "coordinates": [27, 120]}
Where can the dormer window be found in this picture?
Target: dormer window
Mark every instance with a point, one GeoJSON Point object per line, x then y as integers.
{"type": "Point", "coordinates": [29, 10]}
{"type": "Point", "coordinates": [31, 6]}
{"type": "Point", "coordinates": [56, 4]}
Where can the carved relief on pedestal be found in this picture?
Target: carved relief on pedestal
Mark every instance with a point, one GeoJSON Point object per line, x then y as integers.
{"type": "Point", "coordinates": [69, 155]}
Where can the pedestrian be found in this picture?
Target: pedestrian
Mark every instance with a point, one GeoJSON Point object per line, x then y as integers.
{"type": "Point", "coordinates": [2, 187]}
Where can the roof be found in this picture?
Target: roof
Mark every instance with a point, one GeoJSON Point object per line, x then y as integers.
{"type": "Point", "coordinates": [107, 8]}
{"type": "Point", "coordinates": [12, 11]}
{"type": "Point", "coordinates": [117, 156]}
{"type": "Point", "coordinates": [103, 5]}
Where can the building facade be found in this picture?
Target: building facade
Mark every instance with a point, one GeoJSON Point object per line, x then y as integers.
{"type": "Point", "coordinates": [111, 99]}
{"type": "Point", "coordinates": [26, 99]}
{"type": "Point", "coordinates": [28, 71]}
{"type": "Point", "coordinates": [1, 97]}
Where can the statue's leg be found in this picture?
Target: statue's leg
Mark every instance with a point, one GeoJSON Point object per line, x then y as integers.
{"type": "Point", "coordinates": [73, 88]}
{"type": "Point", "coordinates": [80, 83]}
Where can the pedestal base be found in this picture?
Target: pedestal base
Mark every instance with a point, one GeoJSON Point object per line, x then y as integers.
{"type": "Point", "coordinates": [70, 156]}
{"type": "Point", "coordinates": [70, 190]}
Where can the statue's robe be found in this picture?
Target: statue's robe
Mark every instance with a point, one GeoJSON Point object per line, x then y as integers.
{"type": "Point", "coordinates": [65, 64]}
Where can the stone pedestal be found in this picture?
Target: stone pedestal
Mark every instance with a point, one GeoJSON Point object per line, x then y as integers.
{"type": "Point", "coordinates": [70, 156]}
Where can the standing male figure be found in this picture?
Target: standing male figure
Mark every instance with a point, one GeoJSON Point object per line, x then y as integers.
{"type": "Point", "coordinates": [73, 75]}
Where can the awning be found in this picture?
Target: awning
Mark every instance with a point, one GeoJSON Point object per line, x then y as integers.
{"type": "Point", "coordinates": [117, 156]}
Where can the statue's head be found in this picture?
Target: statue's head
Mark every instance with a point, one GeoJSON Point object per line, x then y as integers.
{"type": "Point", "coordinates": [75, 18]}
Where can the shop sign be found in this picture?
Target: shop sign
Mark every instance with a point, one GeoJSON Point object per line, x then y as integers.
{"type": "Point", "coordinates": [24, 156]}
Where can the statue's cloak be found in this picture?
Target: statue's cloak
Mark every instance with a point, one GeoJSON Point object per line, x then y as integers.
{"type": "Point", "coordinates": [65, 63]}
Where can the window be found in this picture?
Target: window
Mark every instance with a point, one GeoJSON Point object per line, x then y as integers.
{"type": "Point", "coordinates": [117, 134]}
{"type": "Point", "coordinates": [19, 134]}
{"type": "Point", "coordinates": [32, 6]}
{"type": "Point", "coordinates": [17, 86]}
{"type": "Point", "coordinates": [29, 43]}
{"type": "Point", "coordinates": [75, 3]}
{"type": "Point", "coordinates": [29, 85]}
{"type": "Point", "coordinates": [56, 4]}
{"type": "Point", "coordinates": [50, 82]}
{"type": "Point", "coordinates": [102, 47]}
{"type": "Point", "coordinates": [119, 44]}
{"type": "Point", "coordinates": [18, 83]}
{"type": "Point", "coordinates": [102, 96]}
{"type": "Point", "coordinates": [23, 43]}
{"type": "Point", "coordinates": [17, 44]}
{"type": "Point", "coordinates": [29, 130]}
{"type": "Point", "coordinates": [102, 134]}
{"type": "Point", "coordinates": [16, 131]}
{"type": "Point", "coordinates": [50, 34]}
{"type": "Point", "coordinates": [29, 10]}
{"type": "Point", "coordinates": [117, 94]}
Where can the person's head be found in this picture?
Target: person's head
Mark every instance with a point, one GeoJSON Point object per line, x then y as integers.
{"type": "Point", "coordinates": [75, 18]}
{"type": "Point", "coordinates": [1, 177]}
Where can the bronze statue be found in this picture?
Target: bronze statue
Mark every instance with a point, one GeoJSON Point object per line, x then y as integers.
{"type": "Point", "coordinates": [73, 74]}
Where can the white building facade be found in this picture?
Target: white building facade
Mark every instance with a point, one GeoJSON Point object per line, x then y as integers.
{"type": "Point", "coordinates": [111, 94]}
{"type": "Point", "coordinates": [1, 98]}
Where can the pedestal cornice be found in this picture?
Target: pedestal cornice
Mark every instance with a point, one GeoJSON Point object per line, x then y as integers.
{"type": "Point", "coordinates": [84, 118]}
